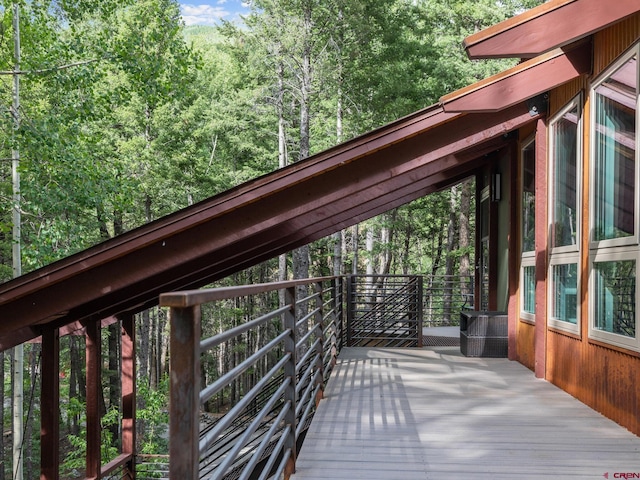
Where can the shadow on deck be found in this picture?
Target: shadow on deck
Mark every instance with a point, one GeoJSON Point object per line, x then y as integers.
{"type": "Point", "coordinates": [435, 414]}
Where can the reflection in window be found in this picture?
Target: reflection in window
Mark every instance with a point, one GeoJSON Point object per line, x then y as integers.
{"type": "Point", "coordinates": [614, 153]}
{"type": "Point", "coordinates": [565, 155]}
{"type": "Point", "coordinates": [528, 197]}
{"type": "Point", "coordinates": [615, 297]}
{"type": "Point", "coordinates": [529, 289]}
{"type": "Point", "coordinates": [565, 290]}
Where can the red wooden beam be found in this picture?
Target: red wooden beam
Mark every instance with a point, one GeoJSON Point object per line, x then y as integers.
{"type": "Point", "coordinates": [286, 209]}
{"type": "Point", "coordinates": [128, 385]}
{"type": "Point", "coordinates": [521, 82]}
{"type": "Point", "coordinates": [551, 25]}
{"type": "Point", "coordinates": [541, 245]}
{"type": "Point", "coordinates": [94, 398]}
{"type": "Point", "coordinates": [184, 401]}
{"type": "Point", "coordinates": [50, 406]}
{"type": "Point", "coordinates": [287, 217]}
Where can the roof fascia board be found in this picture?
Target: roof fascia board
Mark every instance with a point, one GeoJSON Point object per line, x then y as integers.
{"type": "Point", "coordinates": [523, 81]}
{"type": "Point", "coordinates": [548, 26]}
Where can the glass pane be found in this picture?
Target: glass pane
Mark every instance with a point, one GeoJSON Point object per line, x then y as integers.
{"type": "Point", "coordinates": [565, 289]}
{"type": "Point", "coordinates": [614, 156]}
{"type": "Point", "coordinates": [565, 148]}
{"type": "Point", "coordinates": [529, 289]}
{"type": "Point", "coordinates": [615, 297]}
{"type": "Point", "coordinates": [528, 197]}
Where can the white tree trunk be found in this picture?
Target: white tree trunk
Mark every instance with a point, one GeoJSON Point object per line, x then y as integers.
{"type": "Point", "coordinates": [18, 366]}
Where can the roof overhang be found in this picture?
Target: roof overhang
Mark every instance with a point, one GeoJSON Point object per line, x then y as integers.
{"type": "Point", "coordinates": [548, 26]}
{"type": "Point", "coordinates": [523, 81]}
{"type": "Point", "coordinates": [258, 220]}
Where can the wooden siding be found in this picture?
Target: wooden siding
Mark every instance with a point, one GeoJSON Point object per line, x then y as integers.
{"type": "Point", "coordinates": [561, 96]}
{"type": "Point", "coordinates": [609, 44]}
{"type": "Point", "coordinates": [525, 341]}
{"type": "Point", "coordinates": [604, 377]}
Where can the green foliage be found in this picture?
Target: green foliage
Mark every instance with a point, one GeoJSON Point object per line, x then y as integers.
{"type": "Point", "coordinates": [155, 417]}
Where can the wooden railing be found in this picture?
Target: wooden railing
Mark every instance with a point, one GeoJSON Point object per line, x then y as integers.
{"type": "Point", "coordinates": [257, 436]}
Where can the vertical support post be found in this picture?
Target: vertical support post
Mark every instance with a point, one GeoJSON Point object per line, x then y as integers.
{"type": "Point", "coordinates": [184, 402]}
{"type": "Point", "coordinates": [319, 321]}
{"type": "Point", "coordinates": [290, 372]}
{"type": "Point", "coordinates": [94, 391]}
{"type": "Point", "coordinates": [514, 254]}
{"type": "Point", "coordinates": [50, 406]}
{"type": "Point", "coordinates": [541, 231]}
{"type": "Point", "coordinates": [128, 381]}
{"type": "Point", "coordinates": [351, 290]}
{"type": "Point", "coordinates": [419, 307]}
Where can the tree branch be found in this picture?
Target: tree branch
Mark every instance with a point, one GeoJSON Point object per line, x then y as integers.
{"type": "Point", "coordinates": [47, 70]}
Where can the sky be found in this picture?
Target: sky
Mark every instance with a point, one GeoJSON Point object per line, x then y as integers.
{"type": "Point", "coordinates": [209, 12]}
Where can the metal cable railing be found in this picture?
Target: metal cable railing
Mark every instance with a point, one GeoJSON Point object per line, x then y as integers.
{"type": "Point", "coordinates": [384, 311]}
{"type": "Point", "coordinates": [257, 436]}
{"type": "Point", "coordinates": [272, 366]}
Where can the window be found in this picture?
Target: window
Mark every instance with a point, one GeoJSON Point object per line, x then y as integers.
{"type": "Point", "coordinates": [614, 292]}
{"type": "Point", "coordinates": [528, 292]}
{"type": "Point", "coordinates": [564, 186]}
{"type": "Point", "coordinates": [564, 217]}
{"type": "Point", "coordinates": [564, 295]}
{"type": "Point", "coordinates": [529, 196]}
{"type": "Point", "coordinates": [614, 247]}
{"type": "Point", "coordinates": [614, 156]}
{"type": "Point", "coordinates": [528, 210]}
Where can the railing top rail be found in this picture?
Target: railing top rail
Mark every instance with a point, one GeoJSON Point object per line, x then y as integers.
{"type": "Point", "coordinates": [190, 298]}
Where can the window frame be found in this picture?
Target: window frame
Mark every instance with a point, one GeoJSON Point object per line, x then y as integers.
{"type": "Point", "coordinates": [525, 316]}
{"type": "Point", "coordinates": [566, 254]}
{"type": "Point", "coordinates": [631, 239]}
{"type": "Point", "coordinates": [622, 254]}
{"type": "Point", "coordinates": [616, 249]}
{"type": "Point", "coordinates": [528, 257]}
{"type": "Point", "coordinates": [555, 322]}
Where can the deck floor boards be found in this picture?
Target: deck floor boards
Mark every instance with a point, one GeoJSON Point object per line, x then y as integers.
{"type": "Point", "coordinates": [434, 414]}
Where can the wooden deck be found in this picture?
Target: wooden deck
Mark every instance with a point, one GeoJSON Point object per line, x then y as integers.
{"type": "Point", "coordinates": [404, 414]}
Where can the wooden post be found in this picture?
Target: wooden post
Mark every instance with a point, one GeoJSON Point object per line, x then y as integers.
{"type": "Point", "coordinates": [184, 406]}
{"type": "Point", "coordinates": [94, 391]}
{"type": "Point", "coordinates": [128, 381]}
{"type": "Point", "coordinates": [290, 372]}
{"type": "Point", "coordinates": [541, 249]}
{"type": "Point", "coordinates": [50, 406]}
{"type": "Point", "coordinates": [514, 253]}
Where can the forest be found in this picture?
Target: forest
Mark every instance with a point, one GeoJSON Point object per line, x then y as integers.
{"type": "Point", "coordinates": [114, 114]}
